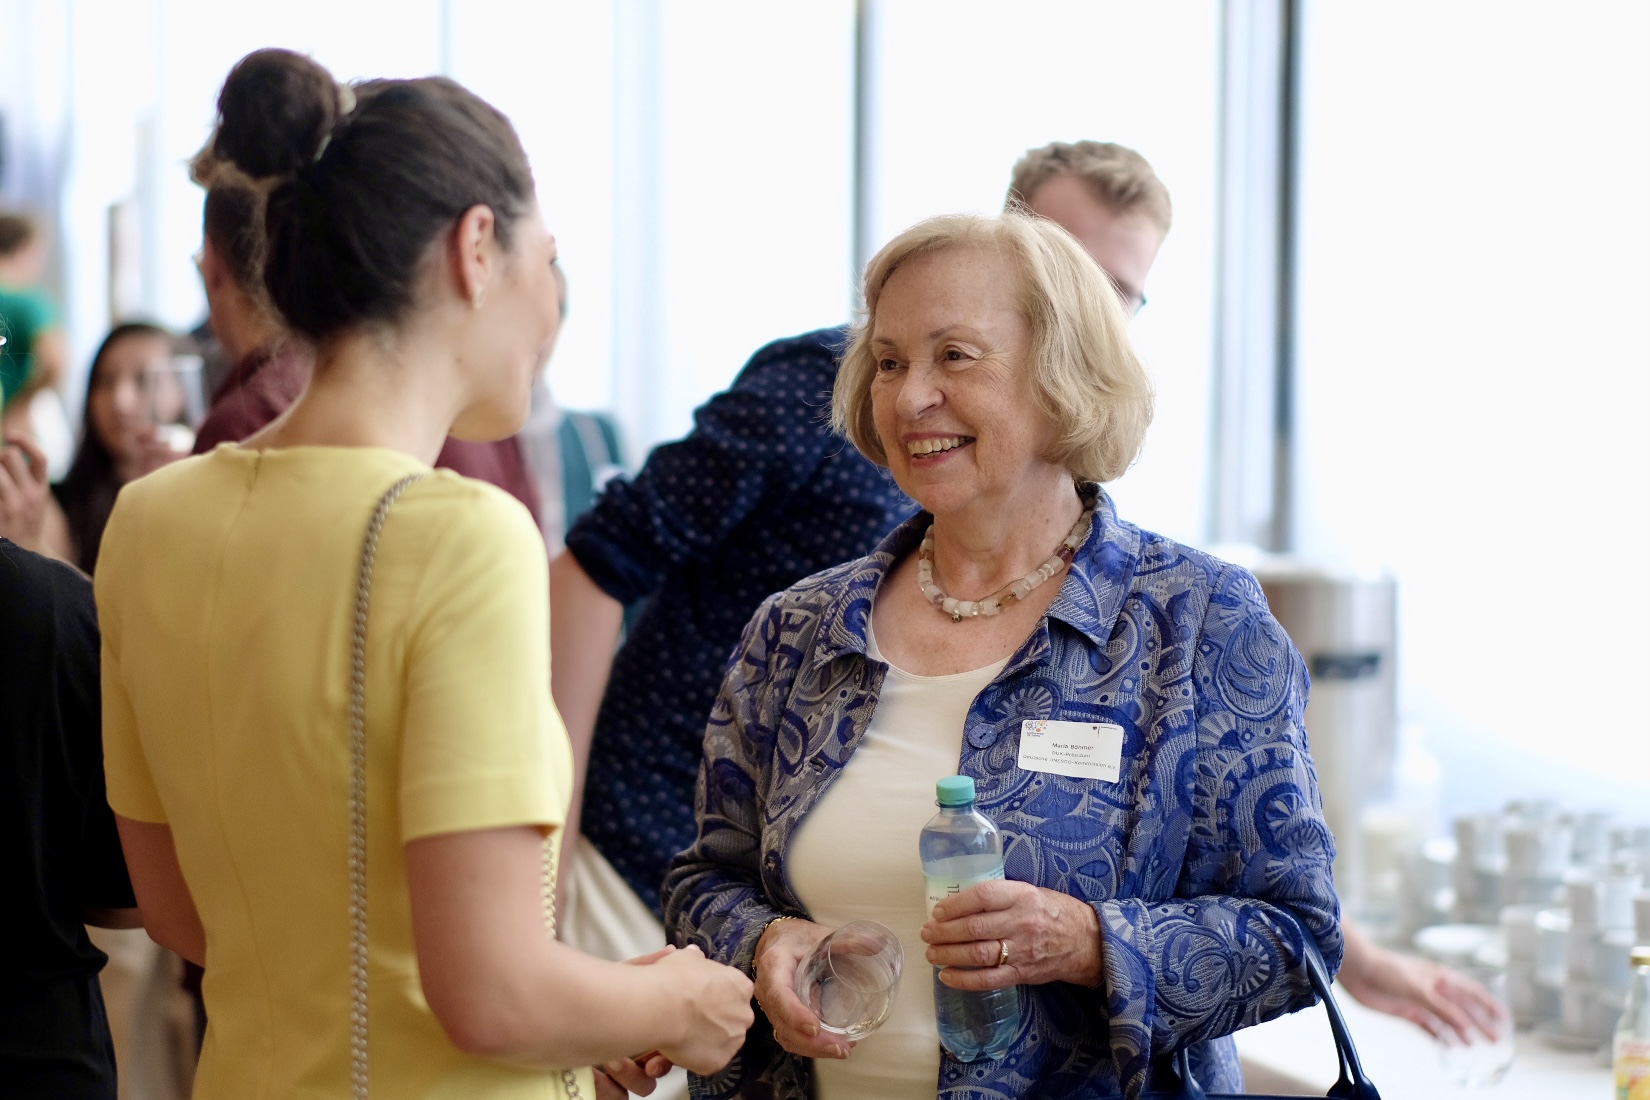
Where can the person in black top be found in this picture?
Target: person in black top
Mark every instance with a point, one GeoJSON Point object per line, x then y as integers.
{"type": "Point", "coordinates": [759, 495]}
{"type": "Point", "coordinates": [60, 857]}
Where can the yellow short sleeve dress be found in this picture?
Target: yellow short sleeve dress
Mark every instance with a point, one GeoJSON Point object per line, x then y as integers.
{"type": "Point", "coordinates": [225, 589]}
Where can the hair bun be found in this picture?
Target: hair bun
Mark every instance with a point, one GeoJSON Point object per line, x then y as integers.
{"type": "Point", "coordinates": [275, 110]}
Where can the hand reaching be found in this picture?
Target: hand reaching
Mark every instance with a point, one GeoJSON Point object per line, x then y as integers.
{"type": "Point", "coordinates": [1428, 995]}
{"type": "Point", "coordinates": [716, 1002]}
{"type": "Point", "coordinates": [628, 1076]}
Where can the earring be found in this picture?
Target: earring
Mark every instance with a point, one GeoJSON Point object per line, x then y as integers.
{"type": "Point", "coordinates": [479, 297]}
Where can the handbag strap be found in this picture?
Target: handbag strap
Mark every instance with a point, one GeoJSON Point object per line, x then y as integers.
{"type": "Point", "coordinates": [359, 1066]}
{"type": "Point", "coordinates": [1352, 1083]}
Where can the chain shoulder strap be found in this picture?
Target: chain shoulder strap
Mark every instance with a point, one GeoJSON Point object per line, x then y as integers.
{"type": "Point", "coordinates": [358, 791]}
{"type": "Point", "coordinates": [552, 857]}
{"type": "Point", "coordinates": [358, 809]}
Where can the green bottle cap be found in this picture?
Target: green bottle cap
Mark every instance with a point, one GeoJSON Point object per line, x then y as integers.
{"type": "Point", "coordinates": [955, 790]}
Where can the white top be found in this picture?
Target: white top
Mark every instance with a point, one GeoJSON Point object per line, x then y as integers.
{"type": "Point", "coordinates": [854, 857]}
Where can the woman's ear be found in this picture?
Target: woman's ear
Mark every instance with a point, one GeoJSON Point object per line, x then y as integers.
{"type": "Point", "coordinates": [474, 254]}
{"type": "Point", "coordinates": [211, 266]}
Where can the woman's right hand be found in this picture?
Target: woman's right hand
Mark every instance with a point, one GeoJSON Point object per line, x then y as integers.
{"type": "Point", "coordinates": [716, 1003]}
{"type": "Point", "coordinates": [778, 953]}
{"type": "Point", "coordinates": [24, 491]}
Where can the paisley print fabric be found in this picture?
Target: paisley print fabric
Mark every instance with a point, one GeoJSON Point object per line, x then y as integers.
{"type": "Point", "coordinates": [1205, 861]}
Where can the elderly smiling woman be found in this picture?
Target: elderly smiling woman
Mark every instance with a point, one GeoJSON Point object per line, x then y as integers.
{"type": "Point", "coordinates": [994, 379]}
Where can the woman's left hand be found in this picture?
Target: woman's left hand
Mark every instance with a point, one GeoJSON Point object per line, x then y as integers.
{"type": "Point", "coordinates": [1047, 936]}
{"type": "Point", "coordinates": [608, 1087]}
{"type": "Point", "coordinates": [627, 1076]}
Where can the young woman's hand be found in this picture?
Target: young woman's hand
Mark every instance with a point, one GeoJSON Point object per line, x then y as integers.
{"type": "Point", "coordinates": [716, 1009]}
{"type": "Point", "coordinates": [609, 1088]}
{"type": "Point", "coordinates": [616, 1080]}
{"type": "Point", "coordinates": [639, 1073]}
{"type": "Point", "coordinates": [795, 1027]}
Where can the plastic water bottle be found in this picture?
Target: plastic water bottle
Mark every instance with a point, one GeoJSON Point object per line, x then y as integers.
{"type": "Point", "coordinates": [961, 847]}
{"type": "Point", "coordinates": [1632, 1041]}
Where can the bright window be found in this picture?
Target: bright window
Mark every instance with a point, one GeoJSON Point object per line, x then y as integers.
{"type": "Point", "coordinates": [1475, 370]}
{"type": "Point", "coordinates": [964, 87]}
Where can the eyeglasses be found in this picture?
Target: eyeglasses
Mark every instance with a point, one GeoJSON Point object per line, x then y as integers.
{"type": "Point", "coordinates": [1133, 302]}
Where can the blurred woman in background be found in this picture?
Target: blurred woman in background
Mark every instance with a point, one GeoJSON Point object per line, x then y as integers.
{"type": "Point", "coordinates": [118, 442]}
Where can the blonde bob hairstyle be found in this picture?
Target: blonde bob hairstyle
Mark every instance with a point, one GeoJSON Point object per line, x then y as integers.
{"type": "Point", "coordinates": [1088, 381]}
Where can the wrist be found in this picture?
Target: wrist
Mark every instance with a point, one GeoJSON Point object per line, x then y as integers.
{"type": "Point", "coordinates": [672, 1001]}
{"type": "Point", "coordinates": [763, 936]}
{"type": "Point", "coordinates": [1355, 968]}
{"type": "Point", "coordinates": [1096, 977]}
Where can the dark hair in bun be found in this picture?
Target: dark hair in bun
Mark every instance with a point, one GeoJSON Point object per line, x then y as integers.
{"type": "Point", "coordinates": [363, 180]}
{"type": "Point", "coordinates": [275, 108]}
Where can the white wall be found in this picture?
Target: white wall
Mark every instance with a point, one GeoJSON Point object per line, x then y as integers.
{"type": "Point", "coordinates": [1475, 365]}
{"type": "Point", "coordinates": [549, 67]}
{"type": "Point", "coordinates": [755, 188]}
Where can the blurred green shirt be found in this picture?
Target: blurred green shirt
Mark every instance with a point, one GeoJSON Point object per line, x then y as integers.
{"type": "Point", "coordinates": [24, 315]}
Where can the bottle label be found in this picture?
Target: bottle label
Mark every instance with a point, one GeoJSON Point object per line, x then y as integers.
{"type": "Point", "coordinates": [941, 888]}
{"type": "Point", "coordinates": [1632, 1069]}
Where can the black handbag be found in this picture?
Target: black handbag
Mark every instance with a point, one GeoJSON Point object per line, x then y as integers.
{"type": "Point", "coordinates": [1177, 1083]}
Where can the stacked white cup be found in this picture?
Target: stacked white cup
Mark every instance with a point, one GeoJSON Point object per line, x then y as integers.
{"type": "Point", "coordinates": [1518, 928]}
{"type": "Point", "coordinates": [1601, 939]}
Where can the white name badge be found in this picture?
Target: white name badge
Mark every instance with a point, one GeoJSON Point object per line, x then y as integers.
{"type": "Point", "coordinates": [1081, 750]}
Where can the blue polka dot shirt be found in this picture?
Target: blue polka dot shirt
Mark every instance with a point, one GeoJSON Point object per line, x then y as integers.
{"type": "Point", "coordinates": [759, 495]}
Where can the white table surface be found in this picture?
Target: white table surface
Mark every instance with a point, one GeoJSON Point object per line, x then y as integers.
{"type": "Point", "coordinates": [1402, 1060]}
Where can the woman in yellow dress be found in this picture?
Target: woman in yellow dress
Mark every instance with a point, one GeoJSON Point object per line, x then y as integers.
{"type": "Point", "coordinates": [404, 241]}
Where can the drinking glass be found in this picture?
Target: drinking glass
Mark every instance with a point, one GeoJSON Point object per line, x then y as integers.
{"type": "Point", "coordinates": [1481, 1062]}
{"type": "Point", "coordinates": [850, 979]}
{"type": "Point", "coordinates": [175, 400]}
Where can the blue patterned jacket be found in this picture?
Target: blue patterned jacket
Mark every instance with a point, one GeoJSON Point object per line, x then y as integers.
{"type": "Point", "coordinates": [1203, 862]}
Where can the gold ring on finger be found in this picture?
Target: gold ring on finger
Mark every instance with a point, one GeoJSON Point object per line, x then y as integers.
{"type": "Point", "coordinates": [1002, 953]}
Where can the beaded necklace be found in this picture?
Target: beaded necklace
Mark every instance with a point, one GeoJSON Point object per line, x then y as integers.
{"type": "Point", "coordinates": [1019, 590]}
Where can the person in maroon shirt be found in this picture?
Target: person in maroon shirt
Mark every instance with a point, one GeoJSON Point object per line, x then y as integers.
{"type": "Point", "coordinates": [271, 366]}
